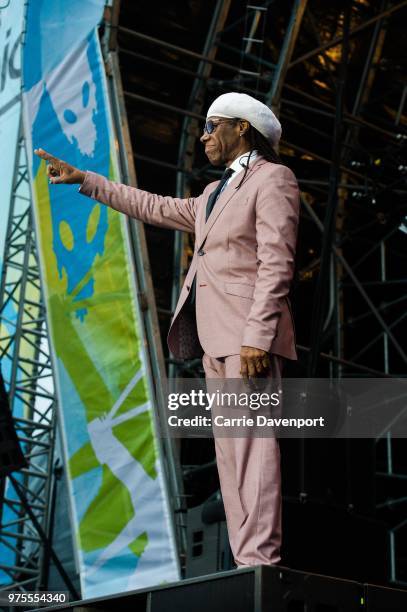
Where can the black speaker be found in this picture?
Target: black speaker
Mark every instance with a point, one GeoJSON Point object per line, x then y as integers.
{"type": "Point", "coordinates": [330, 540]}
{"type": "Point", "coordinates": [338, 472]}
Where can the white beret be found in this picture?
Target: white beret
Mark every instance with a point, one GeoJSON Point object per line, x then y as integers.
{"type": "Point", "coordinates": [242, 106]}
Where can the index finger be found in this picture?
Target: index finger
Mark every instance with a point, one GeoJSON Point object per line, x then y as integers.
{"type": "Point", "coordinates": [44, 155]}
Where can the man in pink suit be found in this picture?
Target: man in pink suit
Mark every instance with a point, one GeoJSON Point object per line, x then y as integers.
{"type": "Point", "coordinates": [234, 305]}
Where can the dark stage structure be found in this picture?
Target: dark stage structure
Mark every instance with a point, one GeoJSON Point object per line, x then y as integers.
{"type": "Point", "coordinates": [334, 74]}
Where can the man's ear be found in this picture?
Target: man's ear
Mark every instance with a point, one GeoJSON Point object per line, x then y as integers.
{"type": "Point", "coordinates": [244, 126]}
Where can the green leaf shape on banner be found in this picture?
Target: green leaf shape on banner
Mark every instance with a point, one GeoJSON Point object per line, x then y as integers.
{"type": "Point", "coordinates": [139, 545]}
{"type": "Point", "coordinates": [107, 514]}
{"type": "Point", "coordinates": [137, 439]}
{"type": "Point", "coordinates": [83, 461]}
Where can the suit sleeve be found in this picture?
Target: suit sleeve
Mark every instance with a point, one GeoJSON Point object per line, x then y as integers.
{"type": "Point", "coordinates": [277, 215]}
{"type": "Point", "coordinates": [164, 211]}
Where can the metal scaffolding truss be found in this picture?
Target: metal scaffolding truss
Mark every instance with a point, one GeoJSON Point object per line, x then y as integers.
{"type": "Point", "coordinates": [27, 371]}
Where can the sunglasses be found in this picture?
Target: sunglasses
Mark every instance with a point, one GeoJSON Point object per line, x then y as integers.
{"type": "Point", "coordinates": [210, 126]}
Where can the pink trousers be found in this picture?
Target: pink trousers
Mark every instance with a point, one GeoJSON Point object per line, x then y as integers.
{"type": "Point", "coordinates": [250, 480]}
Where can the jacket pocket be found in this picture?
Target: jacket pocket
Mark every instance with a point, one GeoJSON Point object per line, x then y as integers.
{"type": "Point", "coordinates": [240, 289]}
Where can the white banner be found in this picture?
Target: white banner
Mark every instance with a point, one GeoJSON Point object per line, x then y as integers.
{"type": "Point", "coordinates": [119, 506]}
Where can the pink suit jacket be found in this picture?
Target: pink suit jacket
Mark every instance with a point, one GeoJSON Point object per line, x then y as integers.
{"type": "Point", "coordinates": [244, 258]}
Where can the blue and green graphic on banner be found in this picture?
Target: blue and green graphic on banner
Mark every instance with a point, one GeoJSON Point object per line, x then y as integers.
{"type": "Point", "coordinates": [120, 511]}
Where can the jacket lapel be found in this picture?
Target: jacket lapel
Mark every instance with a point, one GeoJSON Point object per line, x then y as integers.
{"type": "Point", "coordinates": [225, 197]}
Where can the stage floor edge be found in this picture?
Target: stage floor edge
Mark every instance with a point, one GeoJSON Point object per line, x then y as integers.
{"type": "Point", "coordinates": [252, 589]}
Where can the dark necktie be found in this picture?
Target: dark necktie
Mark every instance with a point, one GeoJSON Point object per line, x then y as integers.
{"type": "Point", "coordinates": [210, 204]}
{"type": "Point", "coordinates": [215, 194]}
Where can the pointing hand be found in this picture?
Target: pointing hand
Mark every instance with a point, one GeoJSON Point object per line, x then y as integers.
{"type": "Point", "coordinates": [59, 171]}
